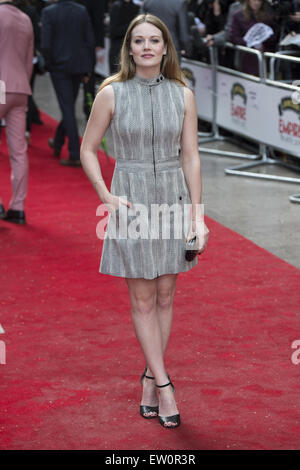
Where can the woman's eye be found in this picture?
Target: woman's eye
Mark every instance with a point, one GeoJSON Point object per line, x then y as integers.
{"type": "Point", "coordinates": [138, 41]}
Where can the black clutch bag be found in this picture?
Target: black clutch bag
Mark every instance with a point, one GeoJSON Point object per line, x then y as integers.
{"type": "Point", "coordinates": [191, 249]}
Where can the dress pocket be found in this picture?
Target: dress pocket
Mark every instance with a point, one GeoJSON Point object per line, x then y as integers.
{"type": "Point", "coordinates": [184, 196]}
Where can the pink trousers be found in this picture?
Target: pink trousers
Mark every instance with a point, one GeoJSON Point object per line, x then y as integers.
{"type": "Point", "coordinates": [14, 113]}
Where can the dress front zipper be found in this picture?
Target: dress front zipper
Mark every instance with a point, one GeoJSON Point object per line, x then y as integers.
{"type": "Point", "coordinates": [153, 155]}
{"type": "Point", "coordinates": [155, 191]}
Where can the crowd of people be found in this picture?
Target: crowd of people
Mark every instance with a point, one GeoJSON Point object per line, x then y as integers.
{"type": "Point", "coordinates": [225, 20]}
{"type": "Point", "coordinates": [66, 37]}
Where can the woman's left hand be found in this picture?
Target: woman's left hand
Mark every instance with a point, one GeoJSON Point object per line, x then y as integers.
{"type": "Point", "coordinates": [198, 228]}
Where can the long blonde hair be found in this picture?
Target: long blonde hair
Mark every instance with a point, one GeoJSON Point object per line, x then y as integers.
{"type": "Point", "coordinates": [169, 66]}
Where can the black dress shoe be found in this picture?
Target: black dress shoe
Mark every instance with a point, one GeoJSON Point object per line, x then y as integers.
{"type": "Point", "coordinates": [37, 121]}
{"type": "Point", "coordinates": [2, 211]}
{"type": "Point", "coordinates": [56, 150]}
{"type": "Point", "coordinates": [69, 162]}
{"type": "Point", "coordinates": [17, 217]}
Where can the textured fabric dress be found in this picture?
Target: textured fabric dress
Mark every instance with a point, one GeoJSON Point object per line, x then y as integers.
{"type": "Point", "coordinates": [148, 240]}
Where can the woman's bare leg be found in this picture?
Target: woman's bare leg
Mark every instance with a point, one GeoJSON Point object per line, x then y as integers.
{"type": "Point", "coordinates": [143, 297]}
{"type": "Point", "coordinates": [166, 286]}
{"type": "Point", "coordinates": [152, 331]}
{"type": "Point", "coordinates": [165, 295]}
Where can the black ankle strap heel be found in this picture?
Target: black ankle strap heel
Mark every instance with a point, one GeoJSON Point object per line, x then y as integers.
{"type": "Point", "coordinates": [169, 419]}
{"type": "Point", "coordinates": [147, 376]}
{"type": "Point", "coordinates": [145, 409]}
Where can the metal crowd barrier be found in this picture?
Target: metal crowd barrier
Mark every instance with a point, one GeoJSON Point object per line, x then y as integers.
{"type": "Point", "coordinates": [215, 136]}
{"type": "Point", "coordinates": [266, 160]}
{"type": "Point", "coordinates": [275, 61]}
{"type": "Point", "coordinates": [295, 198]}
{"type": "Point", "coordinates": [210, 135]}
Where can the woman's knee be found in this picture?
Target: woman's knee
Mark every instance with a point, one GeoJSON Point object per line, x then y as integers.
{"type": "Point", "coordinates": [143, 298]}
{"type": "Point", "coordinates": [165, 298]}
{"type": "Point", "coordinates": [143, 305]}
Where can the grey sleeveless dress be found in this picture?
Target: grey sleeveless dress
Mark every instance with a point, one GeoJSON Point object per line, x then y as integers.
{"type": "Point", "coordinates": [145, 134]}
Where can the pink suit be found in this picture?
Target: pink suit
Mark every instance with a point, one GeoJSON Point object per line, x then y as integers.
{"type": "Point", "coordinates": [16, 61]}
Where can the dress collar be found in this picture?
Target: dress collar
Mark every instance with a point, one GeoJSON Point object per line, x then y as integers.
{"type": "Point", "coordinates": [149, 81]}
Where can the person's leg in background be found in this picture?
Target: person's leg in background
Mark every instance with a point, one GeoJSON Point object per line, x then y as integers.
{"type": "Point", "coordinates": [89, 94]}
{"type": "Point", "coordinates": [2, 210]}
{"type": "Point", "coordinates": [3, 110]}
{"type": "Point", "coordinates": [59, 139]}
{"type": "Point", "coordinates": [33, 114]}
{"type": "Point", "coordinates": [34, 110]}
{"type": "Point", "coordinates": [15, 116]}
{"type": "Point", "coordinates": [66, 88]}
{"type": "Point", "coordinates": [114, 55]}
{"type": "Point", "coordinates": [76, 81]}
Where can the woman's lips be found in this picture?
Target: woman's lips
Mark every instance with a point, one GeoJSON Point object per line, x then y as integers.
{"type": "Point", "coordinates": [147, 56]}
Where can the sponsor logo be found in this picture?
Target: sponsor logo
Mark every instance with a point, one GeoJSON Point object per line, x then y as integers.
{"type": "Point", "coordinates": [238, 104]}
{"type": "Point", "coordinates": [289, 120]}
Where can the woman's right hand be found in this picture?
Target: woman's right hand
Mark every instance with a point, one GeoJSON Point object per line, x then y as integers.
{"type": "Point", "coordinates": [114, 203]}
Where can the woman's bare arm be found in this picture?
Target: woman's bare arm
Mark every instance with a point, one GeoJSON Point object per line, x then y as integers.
{"type": "Point", "coordinates": [191, 166]}
{"type": "Point", "coordinates": [98, 123]}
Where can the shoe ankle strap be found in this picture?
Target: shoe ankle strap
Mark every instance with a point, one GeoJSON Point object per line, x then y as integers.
{"type": "Point", "coordinates": [162, 386]}
{"type": "Point", "coordinates": [147, 376]}
{"type": "Point", "coordinates": [166, 385]}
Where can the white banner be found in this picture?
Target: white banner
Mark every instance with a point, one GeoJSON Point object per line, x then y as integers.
{"type": "Point", "coordinates": [239, 104]}
{"type": "Point", "coordinates": [280, 122]}
{"type": "Point", "coordinates": [262, 112]}
{"type": "Point", "coordinates": [200, 81]}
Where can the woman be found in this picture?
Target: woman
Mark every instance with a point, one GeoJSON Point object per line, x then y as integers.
{"type": "Point", "coordinates": [253, 11]}
{"type": "Point", "coordinates": [150, 113]}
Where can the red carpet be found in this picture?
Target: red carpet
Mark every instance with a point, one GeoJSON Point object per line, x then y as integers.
{"type": "Point", "coordinates": [71, 378]}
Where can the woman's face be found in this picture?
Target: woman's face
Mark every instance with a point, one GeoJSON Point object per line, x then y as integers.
{"type": "Point", "coordinates": [147, 45]}
{"type": "Point", "coordinates": [255, 5]}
